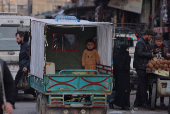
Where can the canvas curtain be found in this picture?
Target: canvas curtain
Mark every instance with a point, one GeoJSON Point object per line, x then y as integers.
{"type": "Point", "coordinates": [37, 49]}
{"type": "Point", "coordinates": [104, 38]}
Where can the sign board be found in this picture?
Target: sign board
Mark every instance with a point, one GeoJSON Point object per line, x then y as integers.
{"type": "Point", "coordinates": [161, 29]}
{"type": "Point", "coordinates": [127, 5]}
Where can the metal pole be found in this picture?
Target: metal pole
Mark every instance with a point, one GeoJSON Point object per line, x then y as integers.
{"type": "Point", "coordinates": [9, 6]}
{"type": "Point", "coordinates": [153, 13]}
{"type": "Point", "coordinates": [16, 7]}
{"type": "Point", "coordinates": [52, 4]}
{"type": "Point", "coordinates": [2, 5]}
{"type": "Point", "coordinates": [161, 2]}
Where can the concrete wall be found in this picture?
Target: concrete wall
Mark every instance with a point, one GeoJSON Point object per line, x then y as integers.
{"type": "Point", "coordinates": [40, 6]}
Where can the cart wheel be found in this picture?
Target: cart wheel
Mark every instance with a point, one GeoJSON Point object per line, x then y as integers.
{"type": "Point", "coordinates": [153, 99]}
{"type": "Point", "coordinates": [39, 105]}
{"type": "Point", "coordinates": [102, 110]}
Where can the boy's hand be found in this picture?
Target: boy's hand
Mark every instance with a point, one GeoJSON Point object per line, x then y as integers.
{"type": "Point", "coordinates": [98, 63]}
{"type": "Point", "coordinates": [155, 51]}
{"type": "Point", "coordinates": [8, 109]}
{"type": "Point", "coordinates": [168, 54]}
{"type": "Point", "coordinates": [158, 50]}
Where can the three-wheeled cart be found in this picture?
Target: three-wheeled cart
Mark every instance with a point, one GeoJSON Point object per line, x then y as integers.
{"type": "Point", "coordinates": [159, 87]}
{"type": "Point", "coordinates": [62, 85]}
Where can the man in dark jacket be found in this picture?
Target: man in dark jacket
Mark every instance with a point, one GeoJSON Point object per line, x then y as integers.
{"type": "Point", "coordinates": [9, 89]}
{"type": "Point", "coordinates": [141, 57]}
{"type": "Point", "coordinates": [23, 58]}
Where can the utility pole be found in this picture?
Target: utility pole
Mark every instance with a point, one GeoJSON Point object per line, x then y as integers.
{"type": "Point", "coordinates": [153, 14]}
{"type": "Point", "coordinates": [2, 5]}
{"type": "Point", "coordinates": [161, 3]}
{"type": "Point", "coordinates": [52, 4]}
{"type": "Point", "coordinates": [8, 5]}
{"type": "Point", "coordinates": [29, 7]}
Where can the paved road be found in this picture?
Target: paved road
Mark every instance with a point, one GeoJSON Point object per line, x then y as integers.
{"type": "Point", "coordinates": [27, 106]}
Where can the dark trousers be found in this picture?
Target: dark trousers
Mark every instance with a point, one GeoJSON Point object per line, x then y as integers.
{"type": "Point", "coordinates": [17, 79]}
{"type": "Point", "coordinates": [141, 95]}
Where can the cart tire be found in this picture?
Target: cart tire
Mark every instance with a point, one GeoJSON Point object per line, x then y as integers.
{"type": "Point", "coordinates": [101, 110]}
{"type": "Point", "coordinates": [153, 99]}
{"type": "Point", "coordinates": [39, 105]}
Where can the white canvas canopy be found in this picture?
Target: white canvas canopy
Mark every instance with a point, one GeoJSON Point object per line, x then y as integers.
{"type": "Point", "coordinates": [104, 38]}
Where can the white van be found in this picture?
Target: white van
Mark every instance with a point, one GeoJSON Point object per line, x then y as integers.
{"type": "Point", "coordinates": [10, 23]}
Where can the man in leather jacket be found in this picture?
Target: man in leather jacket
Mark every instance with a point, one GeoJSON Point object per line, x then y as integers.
{"type": "Point", "coordinates": [141, 57]}
{"type": "Point", "coordinates": [23, 57]}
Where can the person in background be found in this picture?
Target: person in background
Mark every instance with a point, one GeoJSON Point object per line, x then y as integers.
{"type": "Point", "coordinates": [9, 89]}
{"type": "Point", "coordinates": [121, 73]}
{"type": "Point", "coordinates": [90, 56]}
{"type": "Point", "coordinates": [22, 39]}
{"type": "Point", "coordinates": [168, 53]}
{"type": "Point", "coordinates": [141, 57]}
{"type": "Point", "coordinates": [162, 53]}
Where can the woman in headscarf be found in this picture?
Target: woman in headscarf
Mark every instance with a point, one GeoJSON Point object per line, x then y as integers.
{"type": "Point", "coordinates": [121, 73]}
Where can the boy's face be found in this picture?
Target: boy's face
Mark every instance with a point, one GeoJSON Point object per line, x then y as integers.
{"type": "Point", "coordinates": [90, 45]}
{"type": "Point", "coordinates": [159, 42]}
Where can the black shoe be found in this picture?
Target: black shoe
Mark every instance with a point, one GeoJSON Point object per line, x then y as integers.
{"type": "Point", "coordinates": [145, 105]}
{"type": "Point", "coordinates": [125, 108]}
{"type": "Point", "coordinates": [162, 105]}
{"type": "Point", "coordinates": [137, 105]}
{"type": "Point", "coordinates": [111, 106]}
{"type": "Point", "coordinates": [13, 106]}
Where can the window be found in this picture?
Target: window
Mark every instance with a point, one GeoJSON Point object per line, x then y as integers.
{"type": "Point", "coordinates": [123, 40]}
{"type": "Point", "coordinates": [64, 42]}
{"type": "Point", "coordinates": [8, 39]}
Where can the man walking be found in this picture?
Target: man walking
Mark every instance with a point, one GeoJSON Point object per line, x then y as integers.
{"type": "Point", "coordinates": [9, 89]}
{"type": "Point", "coordinates": [141, 57]}
{"type": "Point", "coordinates": [22, 39]}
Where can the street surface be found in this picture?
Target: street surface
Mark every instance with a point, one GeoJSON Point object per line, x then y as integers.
{"type": "Point", "coordinates": [27, 105]}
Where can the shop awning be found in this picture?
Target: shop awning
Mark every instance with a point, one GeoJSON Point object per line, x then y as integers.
{"type": "Point", "coordinates": [127, 5]}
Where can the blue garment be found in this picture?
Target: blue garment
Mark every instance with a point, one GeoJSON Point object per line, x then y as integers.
{"type": "Point", "coordinates": [24, 56]}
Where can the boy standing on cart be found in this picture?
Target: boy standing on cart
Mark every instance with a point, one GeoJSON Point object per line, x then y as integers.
{"type": "Point", "coordinates": [90, 56]}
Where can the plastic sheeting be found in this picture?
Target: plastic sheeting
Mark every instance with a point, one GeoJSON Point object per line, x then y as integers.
{"type": "Point", "coordinates": [37, 49]}
{"type": "Point", "coordinates": [81, 23]}
{"type": "Point", "coordinates": [104, 45]}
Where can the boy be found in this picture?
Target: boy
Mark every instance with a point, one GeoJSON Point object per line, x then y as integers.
{"type": "Point", "coordinates": [162, 48]}
{"type": "Point", "coordinates": [159, 45]}
{"type": "Point", "coordinates": [90, 56]}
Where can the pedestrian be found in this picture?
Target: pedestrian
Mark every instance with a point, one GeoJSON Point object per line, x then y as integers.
{"type": "Point", "coordinates": [90, 56]}
{"type": "Point", "coordinates": [9, 89]}
{"type": "Point", "coordinates": [22, 39]}
{"type": "Point", "coordinates": [168, 53]}
{"type": "Point", "coordinates": [121, 73]}
{"type": "Point", "coordinates": [141, 57]}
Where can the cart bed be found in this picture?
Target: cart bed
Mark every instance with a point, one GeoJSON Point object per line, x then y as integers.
{"type": "Point", "coordinates": [69, 83]}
